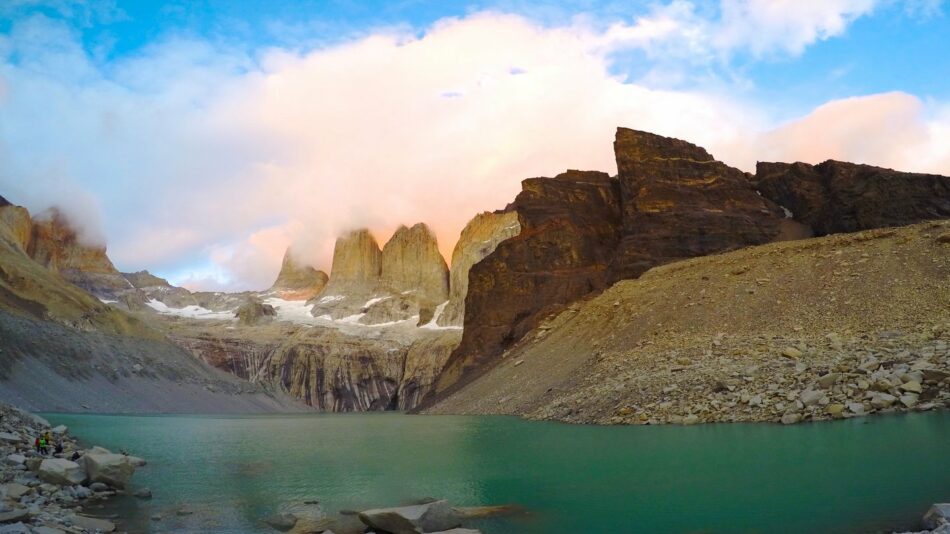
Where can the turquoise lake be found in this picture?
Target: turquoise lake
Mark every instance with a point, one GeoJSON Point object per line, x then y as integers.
{"type": "Point", "coordinates": [862, 475]}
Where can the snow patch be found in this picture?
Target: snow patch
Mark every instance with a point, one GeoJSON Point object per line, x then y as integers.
{"type": "Point", "coordinates": [434, 323]}
{"type": "Point", "coordinates": [372, 301]}
{"type": "Point", "coordinates": [330, 298]}
{"type": "Point", "coordinates": [788, 212]}
{"type": "Point", "coordinates": [107, 301]}
{"type": "Point", "coordinates": [191, 312]}
{"type": "Point", "coordinates": [294, 311]}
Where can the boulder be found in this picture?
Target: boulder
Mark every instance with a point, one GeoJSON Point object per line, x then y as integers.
{"type": "Point", "coordinates": [13, 491]}
{"type": "Point", "coordinates": [254, 312]}
{"type": "Point", "coordinates": [14, 516]}
{"type": "Point", "coordinates": [16, 459]}
{"type": "Point", "coordinates": [8, 437]}
{"type": "Point", "coordinates": [61, 472]}
{"type": "Point", "coordinates": [15, 528]}
{"type": "Point", "coordinates": [281, 522]}
{"type": "Point", "coordinates": [143, 493]}
{"type": "Point", "coordinates": [937, 515]}
{"type": "Point", "coordinates": [113, 469]}
{"type": "Point", "coordinates": [47, 530]}
{"type": "Point", "coordinates": [430, 517]}
{"type": "Point", "coordinates": [60, 430]}
{"type": "Point", "coordinates": [92, 524]}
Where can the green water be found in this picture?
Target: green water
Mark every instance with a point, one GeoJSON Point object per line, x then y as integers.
{"type": "Point", "coordinates": [859, 475]}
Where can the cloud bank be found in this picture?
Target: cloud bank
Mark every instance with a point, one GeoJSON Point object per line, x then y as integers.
{"type": "Point", "coordinates": [206, 162]}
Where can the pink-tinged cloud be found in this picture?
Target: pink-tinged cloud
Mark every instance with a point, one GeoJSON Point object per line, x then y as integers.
{"type": "Point", "coordinates": [204, 156]}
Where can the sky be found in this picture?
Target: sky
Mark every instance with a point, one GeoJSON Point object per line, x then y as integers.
{"type": "Point", "coordinates": [199, 140]}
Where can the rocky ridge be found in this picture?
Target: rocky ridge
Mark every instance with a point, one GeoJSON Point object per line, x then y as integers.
{"type": "Point", "coordinates": [583, 231]}
{"type": "Point", "coordinates": [840, 326]}
{"type": "Point", "coordinates": [298, 282]}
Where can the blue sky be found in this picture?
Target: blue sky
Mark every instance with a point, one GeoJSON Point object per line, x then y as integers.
{"type": "Point", "coordinates": [200, 139]}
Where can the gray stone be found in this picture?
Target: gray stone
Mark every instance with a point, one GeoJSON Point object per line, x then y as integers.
{"type": "Point", "coordinates": [143, 493]}
{"type": "Point", "coordinates": [8, 437]}
{"type": "Point", "coordinates": [60, 430]}
{"type": "Point", "coordinates": [16, 459]}
{"type": "Point", "coordinates": [92, 523]}
{"type": "Point", "coordinates": [15, 516]}
{"type": "Point", "coordinates": [61, 472]}
{"type": "Point", "coordinates": [431, 517]}
{"type": "Point", "coordinates": [282, 522]}
{"type": "Point", "coordinates": [882, 400]}
{"type": "Point", "coordinates": [14, 491]}
{"type": "Point", "coordinates": [811, 397]}
{"type": "Point", "coordinates": [113, 469]}
{"type": "Point", "coordinates": [98, 486]}
{"type": "Point", "coordinates": [937, 515]}
{"type": "Point", "coordinates": [856, 408]}
{"type": "Point", "coordinates": [459, 531]}
{"type": "Point", "coordinates": [828, 380]}
{"type": "Point", "coordinates": [791, 418]}
{"type": "Point", "coordinates": [16, 528]}
{"type": "Point", "coordinates": [47, 530]}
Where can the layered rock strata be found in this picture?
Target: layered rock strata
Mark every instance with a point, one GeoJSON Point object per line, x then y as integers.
{"type": "Point", "coordinates": [671, 200]}
{"type": "Point", "coordinates": [836, 196]}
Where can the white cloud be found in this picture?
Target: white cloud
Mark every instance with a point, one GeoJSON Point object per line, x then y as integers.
{"type": "Point", "coordinates": [199, 154]}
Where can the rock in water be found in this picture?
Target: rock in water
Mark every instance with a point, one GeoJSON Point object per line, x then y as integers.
{"type": "Point", "coordinates": [92, 524]}
{"type": "Point", "coordinates": [61, 472]}
{"type": "Point", "coordinates": [479, 238]}
{"type": "Point", "coordinates": [937, 515]}
{"type": "Point", "coordinates": [430, 517]}
{"type": "Point", "coordinates": [411, 261]}
{"type": "Point", "coordinates": [297, 281]}
{"type": "Point", "coordinates": [113, 469]}
{"type": "Point", "coordinates": [835, 196]}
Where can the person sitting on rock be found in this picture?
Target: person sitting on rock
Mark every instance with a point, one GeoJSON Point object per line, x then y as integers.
{"type": "Point", "coordinates": [59, 447]}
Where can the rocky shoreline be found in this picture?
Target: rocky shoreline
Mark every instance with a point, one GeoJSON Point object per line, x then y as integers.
{"type": "Point", "coordinates": [46, 493]}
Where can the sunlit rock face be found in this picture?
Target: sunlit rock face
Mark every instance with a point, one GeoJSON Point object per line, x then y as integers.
{"type": "Point", "coordinates": [412, 264]}
{"type": "Point", "coordinates": [837, 196]}
{"type": "Point", "coordinates": [582, 230]}
{"type": "Point", "coordinates": [298, 282]}
{"type": "Point", "coordinates": [679, 202]}
{"type": "Point", "coordinates": [16, 226]}
{"type": "Point", "coordinates": [354, 276]}
{"type": "Point", "coordinates": [55, 245]}
{"type": "Point", "coordinates": [479, 238]}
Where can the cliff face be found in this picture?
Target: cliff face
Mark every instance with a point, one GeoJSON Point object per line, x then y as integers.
{"type": "Point", "coordinates": [479, 238]}
{"type": "Point", "coordinates": [835, 196]}
{"type": "Point", "coordinates": [298, 282]}
{"type": "Point", "coordinates": [354, 276]}
{"type": "Point", "coordinates": [411, 262]}
{"type": "Point", "coordinates": [582, 231]}
{"type": "Point", "coordinates": [16, 226]}
{"type": "Point", "coordinates": [678, 202]}
{"type": "Point", "coordinates": [55, 245]}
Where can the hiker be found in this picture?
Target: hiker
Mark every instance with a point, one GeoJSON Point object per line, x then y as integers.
{"type": "Point", "coordinates": [75, 456]}
{"type": "Point", "coordinates": [59, 447]}
{"type": "Point", "coordinates": [44, 447]}
{"type": "Point", "coordinates": [36, 445]}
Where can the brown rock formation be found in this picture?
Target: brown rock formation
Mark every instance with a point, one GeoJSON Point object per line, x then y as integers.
{"type": "Point", "coordinates": [55, 245]}
{"type": "Point", "coordinates": [411, 262]}
{"type": "Point", "coordinates": [254, 312]}
{"type": "Point", "coordinates": [145, 279]}
{"type": "Point", "coordinates": [424, 362]}
{"type": "Point", "coordinates": [357, 260]}
{"type": "Point", "coordinates": [679, 202]}
{"type": "Point", "coordinates": [298, 282]}
{"type": "Point", "coordinates": [479, 238]}
{"type": "Point", "coordinates": [836, 196]}
{"type": "Point", "coordinates": [570, 226]}
{"type": "Point", "coordinates": [581, 231]}
{"type": "Point", "coordinates": [15, 224]}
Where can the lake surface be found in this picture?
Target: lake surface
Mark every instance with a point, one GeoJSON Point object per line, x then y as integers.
{"type": "Point", "coordinates": [860, 475]}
